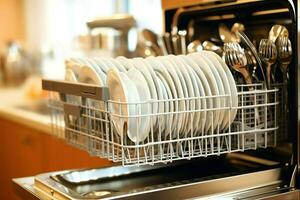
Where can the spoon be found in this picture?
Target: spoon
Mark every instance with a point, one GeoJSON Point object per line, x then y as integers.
{"type": "Point", "coordinates": [194, 46]}
{"type": "Point", "coordinates": [237, 27]}
{"type": "Point", "coordinates": [226, 35]}
{"type": "Point", "coordinates": [149, 35]}
{"type": "Point", "coordinates": [209, 46]}
{"type": "Point", "coordinates": [276, 31]}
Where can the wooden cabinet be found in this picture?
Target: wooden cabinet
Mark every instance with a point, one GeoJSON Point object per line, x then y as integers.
{"type": "Point", "coordinates": [26, 152]}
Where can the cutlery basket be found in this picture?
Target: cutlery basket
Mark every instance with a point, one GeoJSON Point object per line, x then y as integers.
{"type": "Point", "coordinates": [77, 118]}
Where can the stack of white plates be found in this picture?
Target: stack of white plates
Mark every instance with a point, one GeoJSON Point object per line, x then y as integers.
{"type": "Point", "coordinates": [174, 95]}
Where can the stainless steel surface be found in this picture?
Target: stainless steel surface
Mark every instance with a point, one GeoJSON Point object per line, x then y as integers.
{"type": "Point", "coordinates": [182, 182]}
{"type": "Point", "coordinates": [268, 54]}
{"type": "Point", "coordinates": [24, 188]}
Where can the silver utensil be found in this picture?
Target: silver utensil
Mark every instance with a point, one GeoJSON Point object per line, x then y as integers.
{"type": "Point", "coordinates": [182, 37]}
{"type": "Point", "coordinates": [168, 41]}
{"type": "Point", "coordinates": [252, 65]}
{"type": "Point", "coordinates": [285, 53]}
{"type": "Point", "coordinates": [162, 45]}
{"type": "Point", "coordinates": [176, 44]}
{"type": "Point", "coordinates": [268, 53]}
{"type": "Point", "coordinates": [250, 47]}
{"type": "Point", "coordinates": [235, 57]}
{"type": "Point", "coordinates": [149, 35]}
{"type": "Point", "coordinates": [194, 46]}
{"type": "Point", "coordinates": [210, 46]}
{"type": "Point", "coordinates": [276, 31]}
{"type": "Point", "coordinates": [226, 35]}
{"type": "Point", "coordinates": [237, 27]}
{"type": "Point", "coordinates": [145, 49]}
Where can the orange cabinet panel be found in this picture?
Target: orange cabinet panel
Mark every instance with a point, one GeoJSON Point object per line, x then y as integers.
{"type": "Point", "coordinates": [26, 152]}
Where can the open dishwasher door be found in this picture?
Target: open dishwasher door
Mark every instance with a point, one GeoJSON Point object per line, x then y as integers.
{"type": "Point", "coordinates": [257, 163]}
{"type": "Point", "coordinates": [235, 176]}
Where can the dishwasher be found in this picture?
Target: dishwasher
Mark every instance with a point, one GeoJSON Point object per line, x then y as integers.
{"type": "Point", "coordinates": [246, 160]}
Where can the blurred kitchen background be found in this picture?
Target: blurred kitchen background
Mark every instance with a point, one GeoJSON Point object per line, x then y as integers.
{"type": "Point", "coordinates": [37, 35]}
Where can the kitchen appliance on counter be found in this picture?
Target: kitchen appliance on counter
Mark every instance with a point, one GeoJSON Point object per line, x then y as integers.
{"type": "Point", "coordinates": [257, 157]}
{"type": "Point", "coordinates": [112, 34]}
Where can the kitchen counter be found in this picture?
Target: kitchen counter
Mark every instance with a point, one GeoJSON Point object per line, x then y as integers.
{"type": "Point", "coordinates": [15, 107]}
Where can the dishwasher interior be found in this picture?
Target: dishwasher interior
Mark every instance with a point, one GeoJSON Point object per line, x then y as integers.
{"type": "Point", "coordinates": [246, 160]}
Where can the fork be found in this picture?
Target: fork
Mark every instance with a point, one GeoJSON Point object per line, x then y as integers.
{"type": "Point", "coordinates": [284, 47]}
{"type": "Point", "coordinates": [235, 57]}
{"type": "Point", "coordinates": [268, 53]}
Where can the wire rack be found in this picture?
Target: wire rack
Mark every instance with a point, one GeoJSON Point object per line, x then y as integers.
{"type": "Point", "coordinates": [87, 119]}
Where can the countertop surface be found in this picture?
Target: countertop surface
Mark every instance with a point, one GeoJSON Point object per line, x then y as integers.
{"type": "Point", "coordinates": [15, 107]}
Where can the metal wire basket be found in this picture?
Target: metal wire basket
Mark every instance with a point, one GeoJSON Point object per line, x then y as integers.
{"type": "Point", "coordinates": [83, 115]}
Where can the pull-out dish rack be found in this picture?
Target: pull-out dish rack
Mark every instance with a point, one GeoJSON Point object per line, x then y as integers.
{"type": "Point", "coordinates": [88, 127]}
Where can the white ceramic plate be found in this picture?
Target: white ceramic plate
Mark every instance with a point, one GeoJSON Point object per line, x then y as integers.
{"type": "Point", "coordinates": [163, 118]}
{"type": "Point", "coordinates": [195, 104]}
{"type": "Point", "coordinates": [212, 84]}
{"type": "Point", "coordinates": [181, 103]}
{"type": "Point", "coordinates": [158, 67]}
{"type": "Point", "coordinates": [220, 84]}
{"type": "Point", "coordinates": [169, 107]}
{"type": "Point", "coordinates": [226, 85]}
{"type": "Point", "coordinates": [102, 65]}
{"type": "Point", "coordinates": [124, 90]}
{"type": "Point", "coordinates": [88, 74]}
{"type": "Point", "coordinates": [233, 88]}
{"type": "Point", "coordinates": [93, 64]}
{"type": "Point", "coordinates": [139, 65]}
{"type": "Point", "coordinates": [184, 90]}
{"type": "Point", "coordinates": [112, 63]}
{"type": "Point", "coordinates": [156, 83]}
{"type": "Point", "coordinates": [143, 108]}
{"type": "Point", "coordinates": [188, 89]}
{"type": "Point", "coordinates": [205, 117]}
{"type": "Point", "coordinates": [73, 65]}
{"type": "Point", "coordinates": [124, 62]}
{"type": "Point", "coordinates": [70, 76]}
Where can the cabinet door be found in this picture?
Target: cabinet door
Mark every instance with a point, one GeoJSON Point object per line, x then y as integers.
{"type": "Point", "coordinates": [21, 155]}
{"type": "Point", "coordinates": [61, 156]}
{"type": "Point", "coordinates": [28, 152]}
